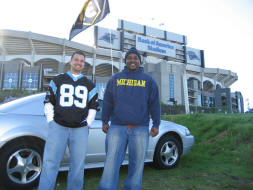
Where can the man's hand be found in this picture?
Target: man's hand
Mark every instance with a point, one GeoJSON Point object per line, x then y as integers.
{"type": "Point", "coordinates": [105, 128]}
{"type": "Point", "coordinates": [154, 131]}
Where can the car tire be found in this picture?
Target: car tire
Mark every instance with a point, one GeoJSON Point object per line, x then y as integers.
{"type": "Point", "coordinates": [167, 152]}
{"type": "Point", "coordinates": [21, 164]}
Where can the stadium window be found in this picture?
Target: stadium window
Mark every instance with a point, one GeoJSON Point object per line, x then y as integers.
{"type": "Point", "coordinates": [171, 85]}
{"type": "Point", "coordinates": [10, 81]}
{"type": "Point", "coordinates": [101, 89]}
{"type": "Point", "coordinates": [30, 81]}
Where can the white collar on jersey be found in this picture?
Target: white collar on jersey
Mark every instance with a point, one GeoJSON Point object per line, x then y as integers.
{"type": "Point", "coordinates": [75, 77]}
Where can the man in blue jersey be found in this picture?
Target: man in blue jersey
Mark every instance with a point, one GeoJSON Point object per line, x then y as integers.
{"type": "Point", "coordinates": [131, 96]}
{"type": "Point", "coordinates": [70, 107]}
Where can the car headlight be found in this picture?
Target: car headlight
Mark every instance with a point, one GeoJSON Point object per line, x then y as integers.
{"type": "Point", "coordinates": [187, 132]}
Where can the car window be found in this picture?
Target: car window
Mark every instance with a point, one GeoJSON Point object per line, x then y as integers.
{"type": "Point", "coordinates": [99, 113]}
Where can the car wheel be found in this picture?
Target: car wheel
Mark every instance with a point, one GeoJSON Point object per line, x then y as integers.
{"type": "Point", "coordinates": [167, 153]}
{"type": "Point", "coordinates": [21, 164]}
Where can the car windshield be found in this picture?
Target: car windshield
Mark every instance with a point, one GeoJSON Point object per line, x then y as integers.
{"type": "Point", "coordinates": [31, 105]}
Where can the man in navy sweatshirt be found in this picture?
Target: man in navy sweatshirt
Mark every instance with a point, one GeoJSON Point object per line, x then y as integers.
{"type": "Point", "coordinates": [130, 98]}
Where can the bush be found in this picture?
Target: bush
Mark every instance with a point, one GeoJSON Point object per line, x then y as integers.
{"type": "Point", "coordinates": [8, 95]}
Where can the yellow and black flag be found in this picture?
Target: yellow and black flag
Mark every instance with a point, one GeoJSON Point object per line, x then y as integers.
{"type": "Point", "coordinates": [92, 12]}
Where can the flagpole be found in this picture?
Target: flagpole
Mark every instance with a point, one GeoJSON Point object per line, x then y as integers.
{"type": "Point", "coordinates": [111, 49]}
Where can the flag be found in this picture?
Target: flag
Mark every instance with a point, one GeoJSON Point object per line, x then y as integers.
{"type": "Point", "coordinates": [92, 12]}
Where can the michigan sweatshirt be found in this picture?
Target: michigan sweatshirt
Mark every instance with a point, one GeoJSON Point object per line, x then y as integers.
{"type": "Point", "coordinates": [131, 98]}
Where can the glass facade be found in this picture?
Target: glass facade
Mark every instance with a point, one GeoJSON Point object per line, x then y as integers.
{"type": "Point", "coordinates": [101, 89]}
{"type": "Point", "coordinates": [30, 81]}
{"type": "Point", "coordinates": [10, 81]}
{"type": "Point", "coordinates": [199, 99]}
{"type": "Point", "coordinates": [171, 83]}
{"type": "Point", "coordinates": [208, 101]}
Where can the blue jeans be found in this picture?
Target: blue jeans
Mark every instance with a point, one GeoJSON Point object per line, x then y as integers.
{"type": "Point", "coordinates": [58, 138]}
{"type": "Point", "coordinates": [117, 140]}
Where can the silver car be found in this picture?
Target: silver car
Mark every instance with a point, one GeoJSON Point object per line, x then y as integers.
{"type": "Point", "coordinates": [23, 130]}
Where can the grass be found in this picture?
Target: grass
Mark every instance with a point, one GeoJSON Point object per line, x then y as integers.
{"type": "Point", "coordinates": [222, 157]}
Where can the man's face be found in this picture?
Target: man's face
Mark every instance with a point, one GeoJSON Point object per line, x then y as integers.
{"type": "Point", "coordinates": [132, 62]}
{"type": "Point", "coordinates": [77, 64]}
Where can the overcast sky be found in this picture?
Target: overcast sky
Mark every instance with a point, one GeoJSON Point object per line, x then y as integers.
{"type": "Point", "coordinates": [222, 28]}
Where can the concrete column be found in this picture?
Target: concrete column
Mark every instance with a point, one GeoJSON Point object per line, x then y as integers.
{"type": "Point", "coordinates": [33, 52]}
{"type": "Point", "coordinates": [32, 58]}
{"type": "Point", "coordinates": [94, 65]}
{"type": "Point", "coordinates": [164, 81]}
{"type": "Point", "coordinates": [1, 75]}
{"type": "Point", "coordinates": [3, 57]}
{"type": "Point", "coordinates": [195, 94]}
{"type": "Point", "coordinates": [215, 79]}
{"type": "Point", "coordinates": [60, 67]}
{"type": "Point", "coordinates": [20, 67]}
{"type": "Point", "coordinates": [121, 64]}
{"type": "Point", "coordinates": [41, 78]}
{"type": "Point", "coordinates": [201, 80]}
{"type": "Point", "coordinates": [228, 100]}
{"type": "Point", "coordinates": [185, 89]}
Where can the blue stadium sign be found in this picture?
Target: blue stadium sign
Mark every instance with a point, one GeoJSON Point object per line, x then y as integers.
{"type": "Point", "coordinates": [155, 46]}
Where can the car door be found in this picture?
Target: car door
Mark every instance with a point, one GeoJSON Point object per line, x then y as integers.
{"type": "Point", "coordinates": [96, 141]}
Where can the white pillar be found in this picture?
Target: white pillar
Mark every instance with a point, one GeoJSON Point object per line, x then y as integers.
{"type": "Point", "coordinates": [185, 88]}
{"type": "Point", "coordinates": [94, 65]}
{"type": "Point", "coordinates": [122, 64]}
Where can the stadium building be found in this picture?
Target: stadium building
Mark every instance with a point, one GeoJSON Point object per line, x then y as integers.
{"type": "Point", "coordinates": [28, 61]}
